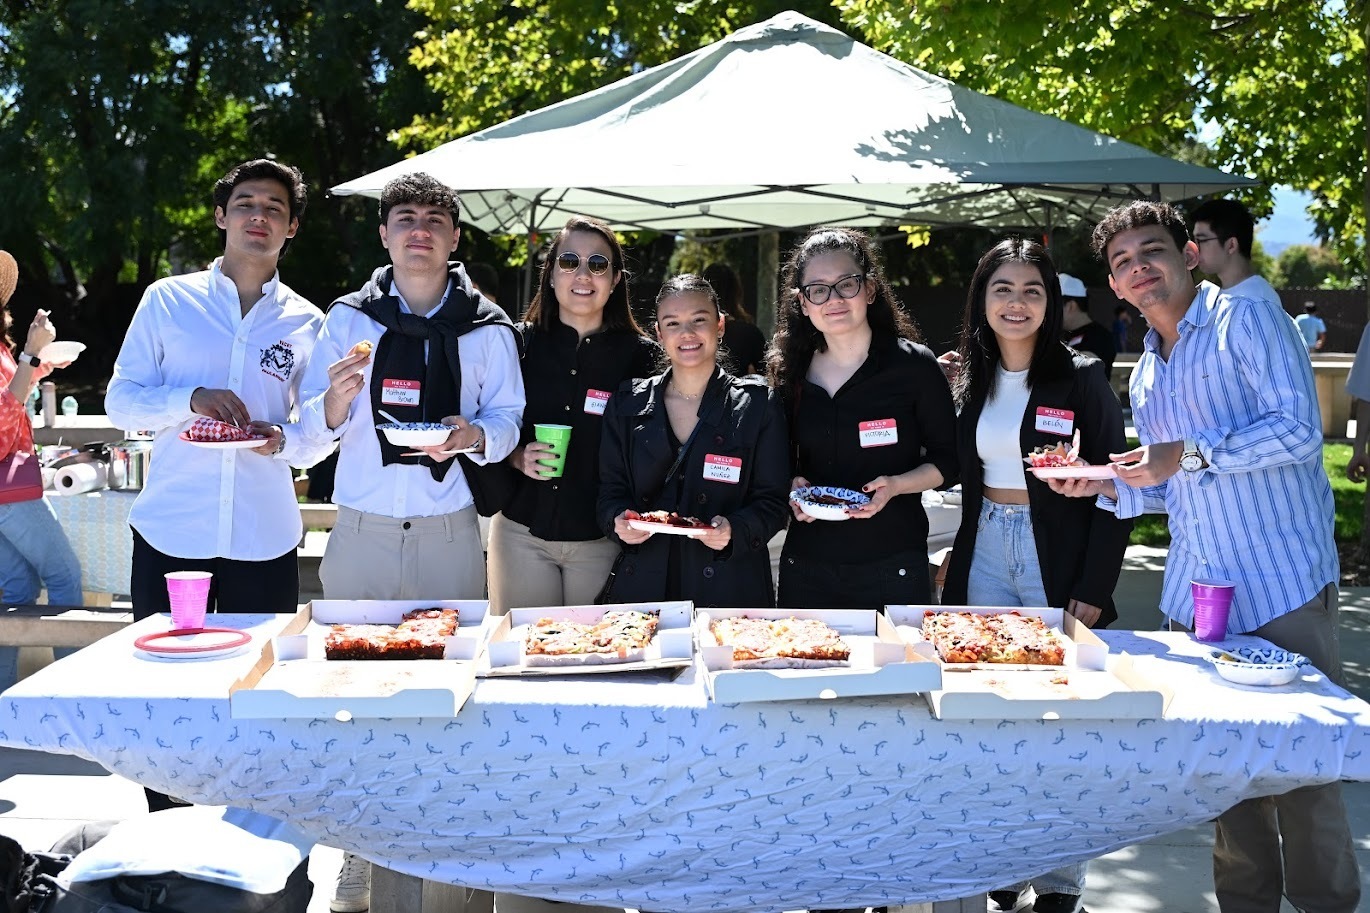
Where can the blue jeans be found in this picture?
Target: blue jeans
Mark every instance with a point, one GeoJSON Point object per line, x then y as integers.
{"type": "Point", "coordinates": [34, 553]}
{"type": "Point", "coordinates": [1005, 572]}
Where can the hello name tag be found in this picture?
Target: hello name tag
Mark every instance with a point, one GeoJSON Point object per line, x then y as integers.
{"type": "Point", "coordinates": [400, 392]}
{"type": "Point", "coordinates": [881, 432]}
{"type": "Point", "coordinates": [595, 401]}
{"type": "Point", "coordinates": [722, 468]}
{"type": "Point", "coordinates": [1055, 421]}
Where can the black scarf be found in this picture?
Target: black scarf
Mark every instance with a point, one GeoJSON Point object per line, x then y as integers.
{"type": "Point", "coordinates": [399, 353]}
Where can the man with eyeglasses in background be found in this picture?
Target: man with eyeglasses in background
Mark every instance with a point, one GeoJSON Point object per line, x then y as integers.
{"type": "Point", "coordinates": [1224, 232]}
{"type": "Point", "coordinates": [419, 342]}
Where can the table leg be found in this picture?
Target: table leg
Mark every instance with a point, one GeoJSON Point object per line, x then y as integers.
{"type": "Point", "coordinates": [392, 892]}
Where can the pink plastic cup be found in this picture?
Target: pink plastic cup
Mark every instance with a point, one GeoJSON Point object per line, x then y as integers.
{"type": "Point", "coordinates": [189, 593]}
{"type": "Point", "coordinates": [1212, 604]}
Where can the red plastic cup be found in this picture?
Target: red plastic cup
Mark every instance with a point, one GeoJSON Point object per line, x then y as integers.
{"type": "Point", "coordinates": [189, 593]}
{"type": "Point", "coordinates": [1212, 605]}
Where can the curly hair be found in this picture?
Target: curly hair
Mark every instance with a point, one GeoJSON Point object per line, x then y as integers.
{"type": "Point", "coordinates": [979, 347]}
{"type": "Point", "coordinates": [421, 188]}
{"type": "Point", "coordinates": [796, 338]}
{"type": "Point", "coordinates": [544, 311]}
{"type": "Point", "coordinates": [1138, 214]}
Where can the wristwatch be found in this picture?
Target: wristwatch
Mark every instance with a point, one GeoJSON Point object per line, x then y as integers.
{"type": "Point", "coordinates": [479, 445]}
{"type": "Point", "coordinates": [1191, 460]}
{"type": "Point", "coordinates": [281, 445]}
{"type": "Point", "coordinates": [32, 361]}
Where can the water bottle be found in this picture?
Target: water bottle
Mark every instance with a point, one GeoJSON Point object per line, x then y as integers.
{"type": "Point", "coordinates": [69, 406]}
{"type": "Point", "coordinates": [32, 406]}
{"type": "Point", "coordinates": [49, 404]}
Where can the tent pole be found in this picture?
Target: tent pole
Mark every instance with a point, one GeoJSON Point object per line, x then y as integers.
{"type": "Point", "coordinates": [1046, 232]}
{"type": "Point", "coordinates": [767, 280]}
{"type": "Point", "coordinates": [529, 260]}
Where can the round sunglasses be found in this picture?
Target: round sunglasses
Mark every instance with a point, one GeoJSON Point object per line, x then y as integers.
{"type": "Point", "coordinates": [569, 262]}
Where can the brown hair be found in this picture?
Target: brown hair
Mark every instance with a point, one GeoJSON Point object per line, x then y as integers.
{"type": "Point", "coordinates": [544, 311]}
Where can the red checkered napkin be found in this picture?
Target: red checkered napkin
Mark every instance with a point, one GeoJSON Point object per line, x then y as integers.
{"type": "Point", "coordinates": [214, 431]}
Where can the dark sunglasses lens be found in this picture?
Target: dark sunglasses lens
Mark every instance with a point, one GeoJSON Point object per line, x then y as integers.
{"type": "Point", "coordinates": [569, 262]}
{"type": "Point", "coordinates": [597, 264]}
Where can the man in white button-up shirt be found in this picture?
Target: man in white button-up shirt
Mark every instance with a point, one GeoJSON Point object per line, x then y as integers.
{"type": "Point", "coordinates": [435, 351]}
{"type": "Point", "coordinates": [229, 343]}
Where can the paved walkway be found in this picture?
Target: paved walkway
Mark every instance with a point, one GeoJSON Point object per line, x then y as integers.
{"type": "Point", "coordinates": [42, 796]}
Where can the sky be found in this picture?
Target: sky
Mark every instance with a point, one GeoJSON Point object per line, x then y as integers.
{"type": "Point", "coordinates": [1289, 224]}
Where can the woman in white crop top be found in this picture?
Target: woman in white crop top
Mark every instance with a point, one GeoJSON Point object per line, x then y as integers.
{"type": "Point", "coordinates": [1020, 387]}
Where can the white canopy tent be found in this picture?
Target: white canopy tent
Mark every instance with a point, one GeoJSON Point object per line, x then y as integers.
{"type": "Point", "coordinates": [790, 123]}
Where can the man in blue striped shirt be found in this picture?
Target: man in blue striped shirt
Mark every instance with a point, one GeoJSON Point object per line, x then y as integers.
{"type": "Point", "coordinates": [1225, 408]}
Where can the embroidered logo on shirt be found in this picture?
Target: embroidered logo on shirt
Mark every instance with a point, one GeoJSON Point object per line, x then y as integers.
{"type": "Point", "coordinates": [279, 360]}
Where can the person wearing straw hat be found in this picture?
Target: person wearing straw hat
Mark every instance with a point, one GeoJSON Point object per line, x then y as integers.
{"type": "Point", "coordinates": [228, 343]}
{"type": "Point", "coordinates": [33, 546]}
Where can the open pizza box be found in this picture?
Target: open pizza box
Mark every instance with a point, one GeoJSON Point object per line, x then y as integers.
{"type": "Point", "coordinates": [1091, 685]}
{"type": "Point", "coordinates": [672, 645]}
{"type": "Point", "coordinates": [293, 680]}
{"type": "Point", "coordinates": [880, 661]}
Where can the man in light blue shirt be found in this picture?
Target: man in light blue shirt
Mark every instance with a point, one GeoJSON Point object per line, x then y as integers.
{"type": "Point", "coordinates": [1312, 328]}
{"type": "Point", "coordinates": [1227, 415]}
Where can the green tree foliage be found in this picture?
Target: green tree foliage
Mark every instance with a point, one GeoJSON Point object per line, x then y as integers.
{"type": "Point", "coordinates": [1307, 266]}
{"type": "Point", "coordinates": [118, 115]}
{"type": "Point", "coordinates": [1275, 88]}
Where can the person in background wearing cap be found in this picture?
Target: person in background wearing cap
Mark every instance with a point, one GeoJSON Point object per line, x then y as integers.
{"type": "Point", "coordinates": [33, 546]}
{"type": "Point", "coordinates": [1078, 330]}
{"type": "Point", "coordinates": [228, 343]}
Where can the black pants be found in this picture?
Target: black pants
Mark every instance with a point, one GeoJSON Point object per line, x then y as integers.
{"type": "Point", "coordinates": [900, 579]}
{"type": "Point", "coordinates": [240, 587]}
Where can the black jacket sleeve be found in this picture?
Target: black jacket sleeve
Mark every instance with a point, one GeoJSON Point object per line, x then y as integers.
{"type": "Point", "coordinates": [766, 510]}
{"type": "Point", "coordinates": [1108, 536]}
{"type": "Point", "coordinates": [937, 419]}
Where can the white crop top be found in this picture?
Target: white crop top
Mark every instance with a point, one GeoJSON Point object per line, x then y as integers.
{"type": "Point", "coordinates": [996, 434]}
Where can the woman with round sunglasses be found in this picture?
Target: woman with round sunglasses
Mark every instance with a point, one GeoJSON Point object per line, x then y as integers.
{"type": "Point", "coordinates": [581, 344]}
{"type": "Point", "coordinates": [700, 443]}
{"type": "Point", "coordinates": [869, 411]}
{"type": "Point", "coordinates": [1020, 544]}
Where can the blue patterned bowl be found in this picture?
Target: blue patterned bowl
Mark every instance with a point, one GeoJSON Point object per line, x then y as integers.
{"type": "Point", "coordinates": [1258, 665]}
{"type": "Point", "coordinates": [803, 497]}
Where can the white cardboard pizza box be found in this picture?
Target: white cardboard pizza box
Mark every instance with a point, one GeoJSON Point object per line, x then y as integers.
{"type": "Point", "coordinates": [672, 646]}
{"type": "Point", "coordinates": [880, 662]}
{"type": "Point", "coordinates": [1091, 685]}
{"type": "Point", "coordinates": [293, 680]}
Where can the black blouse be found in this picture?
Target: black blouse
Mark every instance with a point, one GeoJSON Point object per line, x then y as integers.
{"type": "Point", "coordinates": [568, 381]}
{"type": "Point", "coordinates": [894, 414]}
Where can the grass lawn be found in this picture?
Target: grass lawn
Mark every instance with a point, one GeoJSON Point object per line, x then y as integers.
{"type": "Point", "coordinates": [1348, 498]}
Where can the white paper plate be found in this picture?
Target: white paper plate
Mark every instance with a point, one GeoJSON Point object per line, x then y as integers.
{"type": "Point", "coordinates": [826, 511]}
{"type": "Point", "coordinates": [57, 353]}
{"type": "Point", "coordinates": [1074, 472]}
{"type": "Point", "coordinates": [668, 529]}
{"type": "Point", "coordinates": [1263, 666]}
{"type": "Point", "coordinates": [415, 434]}
{"type": "Point", "coordinates": [225, 445]}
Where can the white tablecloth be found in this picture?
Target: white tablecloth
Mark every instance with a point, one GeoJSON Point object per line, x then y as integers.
{"type": "Point", "coordinates": [640, 792]}
{"type": "Point", "coordinates": [96, 523]}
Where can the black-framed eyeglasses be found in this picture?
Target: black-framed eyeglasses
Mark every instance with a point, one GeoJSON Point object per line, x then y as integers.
{"type": "Point", "coordinates": [569, 261]}
{"type": "Point", "coordinates": [1198, 240]}
{"type": "Point", "coordinates": [846, 287]}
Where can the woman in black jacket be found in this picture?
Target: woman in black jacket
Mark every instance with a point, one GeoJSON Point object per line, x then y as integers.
{"type": "Point", "coordinates": [869, 410]}
{"type": "Point", "coordinates": [702, 443]}
{"type": "Point", "coordinates": [580, 345]}
{"type": "Point", "coordinates": [1019, 543]}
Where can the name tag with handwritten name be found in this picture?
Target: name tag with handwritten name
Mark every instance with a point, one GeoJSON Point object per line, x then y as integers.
{"type": "Point", "coordinates": [881, 432]}
{"type": "Point", "coordinates": [595, 401]}
{"type": "Point", "coordinates": [1055, 421]}
{"type": "Point", "coordinates": [400, 392]}
{"type": "Point", "coordinates": [722, 468]}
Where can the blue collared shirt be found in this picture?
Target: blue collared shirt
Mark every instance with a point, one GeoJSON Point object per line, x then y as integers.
{"type": "Point", "coordinates": [1238, 384]}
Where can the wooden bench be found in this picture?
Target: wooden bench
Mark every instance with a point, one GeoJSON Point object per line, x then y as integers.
{"type": "Point", "coordinates": [59, 626]}
{"type": "Point", "coordinates": [319, 516]}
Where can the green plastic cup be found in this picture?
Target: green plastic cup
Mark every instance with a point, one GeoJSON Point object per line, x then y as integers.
{"type": "Point", "coordinates": [553, 461]}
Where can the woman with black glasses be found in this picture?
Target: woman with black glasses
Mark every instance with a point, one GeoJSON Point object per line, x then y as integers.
{"type": "Point", "coordinates": [869, 411]}
{"type": "Point", "coordinates": [580, 344]}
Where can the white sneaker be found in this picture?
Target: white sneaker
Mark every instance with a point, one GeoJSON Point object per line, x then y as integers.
{"type": "Point", "coordinates": [353, 893]}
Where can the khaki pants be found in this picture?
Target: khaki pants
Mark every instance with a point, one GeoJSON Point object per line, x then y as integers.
{"type": "Point", "coordinates": [374, 557]}
{"type": "Point", "coordinates": [1298, 844]}
{"type": "Point", "coordinates": [526, 571]}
